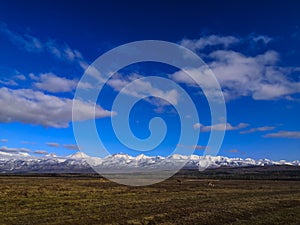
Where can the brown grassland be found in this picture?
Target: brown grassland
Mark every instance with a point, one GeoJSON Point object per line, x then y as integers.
{"type": "Point", "coordinates": [69, 199]}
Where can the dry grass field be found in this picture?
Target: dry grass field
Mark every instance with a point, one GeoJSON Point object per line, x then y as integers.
{"type": "Point", "coordinates": [93, 200]}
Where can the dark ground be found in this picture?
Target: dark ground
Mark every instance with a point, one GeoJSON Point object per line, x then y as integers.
{"type": "Point", "coordinates": [222, 196]}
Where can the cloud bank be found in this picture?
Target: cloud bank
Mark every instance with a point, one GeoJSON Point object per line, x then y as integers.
{"type": "Point", "coordinates": [34, 107]}
{"type": "Point", "coordinates": [259, 76]}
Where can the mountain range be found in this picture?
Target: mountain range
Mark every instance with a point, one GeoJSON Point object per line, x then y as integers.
{"type": "Point", "coordinates": [23, 162]}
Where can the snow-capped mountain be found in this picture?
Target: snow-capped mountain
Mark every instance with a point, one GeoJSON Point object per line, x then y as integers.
{"type": "Point", "coordinates": [80, 162]}
{"type": "Point", "coordinates": [78, 155]}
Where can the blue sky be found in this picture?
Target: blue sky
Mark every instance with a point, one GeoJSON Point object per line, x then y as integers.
{"type": "Point", "coordinates": [252, 47]}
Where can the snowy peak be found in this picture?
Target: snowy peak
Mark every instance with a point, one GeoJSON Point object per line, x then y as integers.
{"type": "Point", "coordinates": [78, 155]}
{"type": "Point", "coordinates": [51, 155]}
{"type": "Point", "coordinates": [142, 156]}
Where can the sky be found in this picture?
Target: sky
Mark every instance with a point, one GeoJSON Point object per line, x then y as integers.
{"type": "Point", "coordinates": [253, 48]}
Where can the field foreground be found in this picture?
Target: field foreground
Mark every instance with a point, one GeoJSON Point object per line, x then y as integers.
{"type": "Point", "coordinates": [93, 200]}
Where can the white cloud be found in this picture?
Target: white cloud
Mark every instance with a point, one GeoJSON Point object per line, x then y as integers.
{"type": "Point", "coordinates": [200, 76]}
{"type": "Point", "coordinates": [265, 39]}
{"type": "Point", "coordinates": [3, 140]}
{"type": "Point", "coordinates": [53, 144]}
{"type": "Point", "coordinates": [34, 107]}
{"type": "Point", "coordinates": [239, 75]}
{"type": "Point", "coordinates": [257, 76]}
{"type": "Point", "coordinates": [284, 134]}
{"type": "Point", "coordinates": [8, 82]}
{"type": "Point", "coordinates": [195, 76]}
{"type": "Point", "coordinates": [20, 77]}
{"type": "Point", "coordinates": [222, 41]}
{"type": "Point", "coordinates": [219, 127]}
{"type": "Point", "coordinates": [212, 40]}
{"type": "Point", "coordinates": [264, 128]}
{"type": "Point", "coordinates": [63, 51]}
{"type": "Point", "coordinates": [54, 84]}
{"type": "Point", "coordinates": [142, 89]}
{"type": "Point", "coordinates": [33, 77]}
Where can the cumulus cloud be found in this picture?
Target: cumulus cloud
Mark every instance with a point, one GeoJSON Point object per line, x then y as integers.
{"type": "Point", "coordinates": [142, 89]}
{"type": "Point", "coordinates": [284, 134]}
{"type": "Point", "coordinates": [202, 77]}
{"type": "Point", "coordinates": [51, 83]}
{"type": "Point", "coordinates": [34, 107]}
{"type": "Point", "coordinates": [219, 127]}
{"type": "Point", "coordinates": [258, 76]}
{"type": "Point", "coordinates": [53, 144]}
{"type": "Point", "coordinates": [3, 140]}
{"type": "Point", "coordinates": [264, 128]}
{"type": "Point", "coordinates": [71, 146]}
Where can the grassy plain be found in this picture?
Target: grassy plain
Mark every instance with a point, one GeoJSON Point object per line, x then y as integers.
{"type": "Point", "coordinates": [78, 199]}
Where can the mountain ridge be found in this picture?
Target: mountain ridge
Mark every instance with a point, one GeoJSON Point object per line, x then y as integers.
{"type": "Point", "coordinates": [79, 161]}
